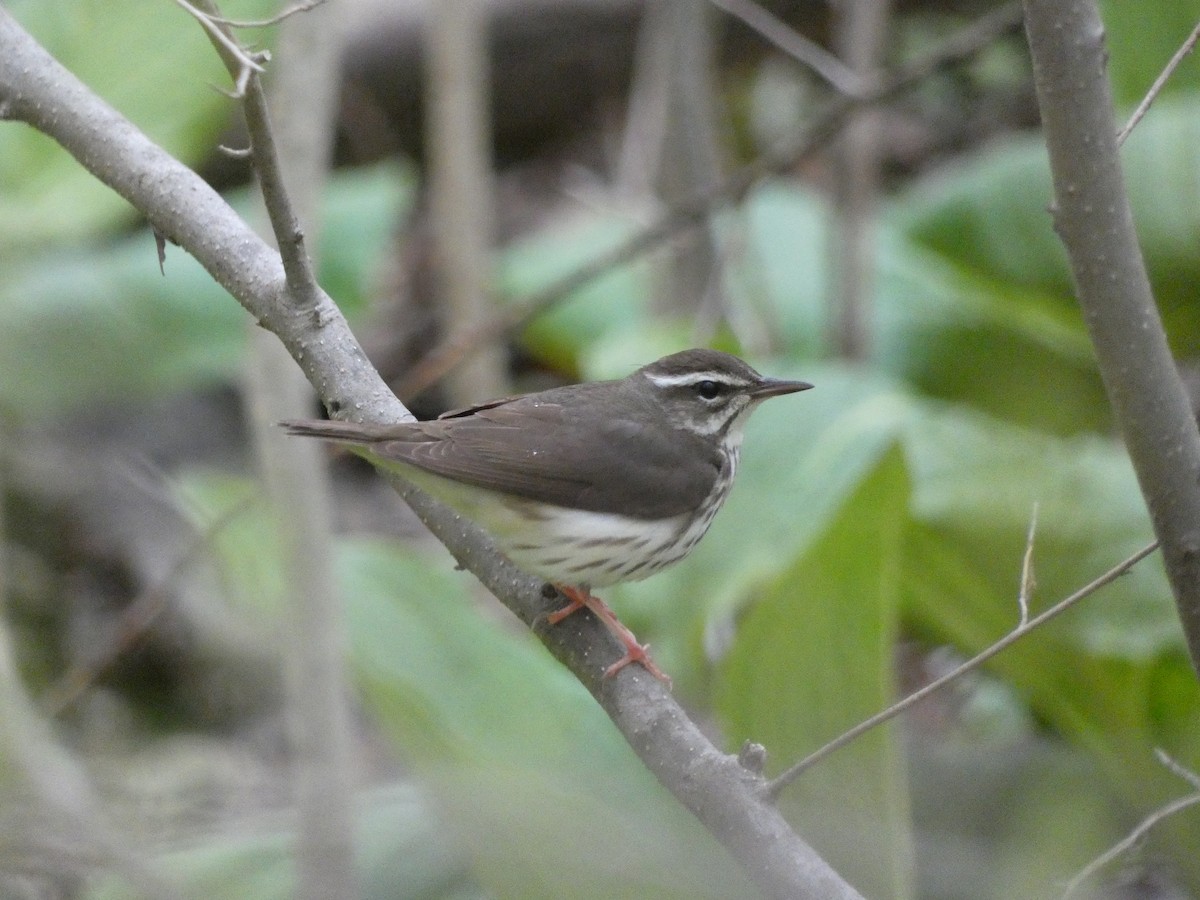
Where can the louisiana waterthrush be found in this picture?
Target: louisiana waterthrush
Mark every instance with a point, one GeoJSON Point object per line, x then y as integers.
{"type": "Point", "coordinates": [590, 484]}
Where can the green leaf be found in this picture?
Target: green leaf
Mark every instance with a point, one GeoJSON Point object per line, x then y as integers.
{"type": "Point", "coordinates": [85, 325]}
{"type": "Point", "coordinates": [976, 482]}
{"type": "Point", "coordinates": [812, 657]}
{"type": "Point", "coordinates": [1140, 41]}
{"type": "Point", "coordinates": [784, 270]}
{"type": "Point", "coordinates": [979, 306]}
{"type": "Point", "coordinates": [989, 217]}
{"type": "Point", "coordinates": [159, 74]}
{"type": "Point", "coordinates": [1111, 675]}
{"type": "Point", "coordinates": [527, 771]}
{"type": "Point", "coordinates": [960, 335]}
{"type": "Point", "coordinates": [943, 323]}
{"type": "Point", "coordinates": [360, 212]}
{"type": "Point", "coordinates": [1158, 161]}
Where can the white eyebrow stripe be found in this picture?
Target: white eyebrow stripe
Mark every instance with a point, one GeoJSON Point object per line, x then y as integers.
{"type": "Point", "coordinates": [695, 378]}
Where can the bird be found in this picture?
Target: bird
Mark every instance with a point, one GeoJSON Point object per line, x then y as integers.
{"type": "Point", "coordinates": [585, 485]}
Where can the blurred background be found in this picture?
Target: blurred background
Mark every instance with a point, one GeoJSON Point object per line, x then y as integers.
{"type": "Point", "coordinates": [902, 261]}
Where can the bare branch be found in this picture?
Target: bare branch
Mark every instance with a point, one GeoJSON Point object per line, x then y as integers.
{"type": "Point", "coordinates": [1143, 827]}
{"type": "Point", "coordinates": [776, 786]}
{"type": "Point", "coordinates": [300, 7]}
{"type": "Point", "coordinates": [1177, 768]}
{"type": "Point", "coordinates": [788, 40]}
{"type": "Point", "coordinates": [303, 290]}
{"type": "Point", "coordinates": [1027, 577]}
{"type": "Point", "coordinates": [1159, 83]}
{"type": "Point", "coordinates": [1093, 218]}
{"type": "Point", "coordinates": [241, 63]}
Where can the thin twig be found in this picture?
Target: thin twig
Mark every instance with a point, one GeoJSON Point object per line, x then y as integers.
{"type": "Point", "coordinates": [1129, 841]}
{"type": "Point", "coordinates": [1177, 768]}
{"type": "Point", "coordinates": [788, 40]}
{"type": "Point", "coordinates": [773, 788]}
{"type": "Point", "coordinates": [245, 64]}
{"type": "Point", "coordinates": [956, 49]}
{"type": "Point", "coordinates": [236, 152]}
{"type": "Point", "coordinates": [1143, 827]}
{"type": "Point", "coordinates": [304, 6]}
{"type": "Point", "coordinates": [303, 290]}
{"type": "Point", "coordinates": [1027, 577]}
{"type": "Point", "coordinates": [1159, 83]}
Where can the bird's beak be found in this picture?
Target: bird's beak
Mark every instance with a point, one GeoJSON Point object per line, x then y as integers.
{"type": "Point", "coordinates": [775, 387]}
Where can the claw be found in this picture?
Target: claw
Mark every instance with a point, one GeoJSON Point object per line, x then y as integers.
{"type": "Point", "coordinates": [640, 654]}
{"type": "Point", "coordinates": [577, 599]}
{"type": "Point", "coordinates": [575, 603]}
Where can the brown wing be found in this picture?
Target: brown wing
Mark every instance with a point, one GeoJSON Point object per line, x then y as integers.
{"type": "Point", "coordinates": [540, 449]}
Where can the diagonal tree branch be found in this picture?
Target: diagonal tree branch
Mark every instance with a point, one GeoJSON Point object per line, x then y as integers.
{"type": "Point", "coordinates": [787, 40]}
{"type": "Point", "coordinates": [1093, 218]}
{"type": "Point", "coordinates": [1160, 82]}
{"type": "Point", "coordinates": [35, 89]}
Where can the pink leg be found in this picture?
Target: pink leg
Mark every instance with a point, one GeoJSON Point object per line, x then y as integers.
{"type": "Point", "coordinates": [634, 652]}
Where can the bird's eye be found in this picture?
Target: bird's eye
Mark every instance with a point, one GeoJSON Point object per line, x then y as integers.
{"type": "Point", "coordinates": [708, 390]}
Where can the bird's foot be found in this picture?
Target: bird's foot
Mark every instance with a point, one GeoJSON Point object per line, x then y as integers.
{"type": "Point", "coordinates": [640, 654]}
{"type": "Point", "coordinates": [634, 651]}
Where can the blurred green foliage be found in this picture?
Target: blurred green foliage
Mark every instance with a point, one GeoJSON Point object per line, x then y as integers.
{"type": "Point", "coordinates": [892, 501]}
{"type": "Point", "coordinates": [161, 74]}
{"type": "Point", "coordinates": [88, 323]}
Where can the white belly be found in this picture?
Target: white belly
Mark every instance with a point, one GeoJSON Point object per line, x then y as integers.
{"type": "Point", "coordinates": [576, 547]}
{"type": "Point", "coordinates": [598, 549]}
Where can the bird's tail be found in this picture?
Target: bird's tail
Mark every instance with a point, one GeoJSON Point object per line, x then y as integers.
{"type": "Point", "coordinates": [349, 432]}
